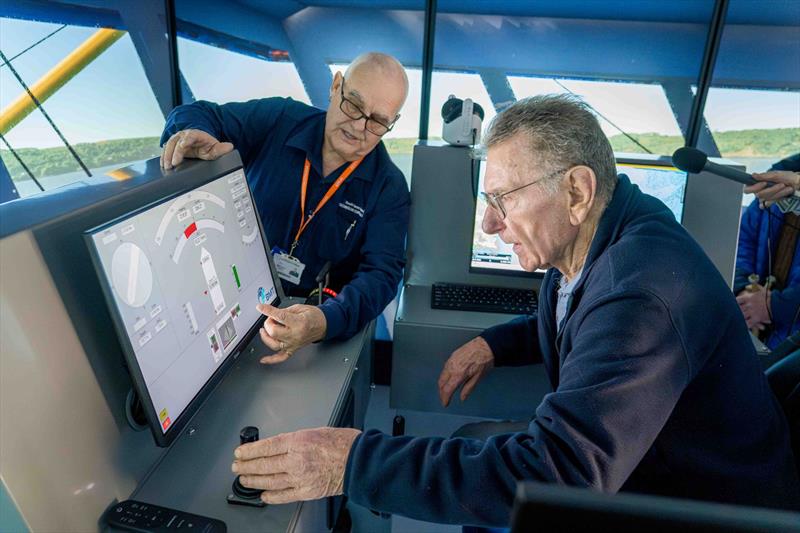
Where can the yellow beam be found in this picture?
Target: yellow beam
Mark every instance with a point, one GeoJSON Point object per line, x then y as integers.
{"type": "Point", "coordinates": [59, 75]}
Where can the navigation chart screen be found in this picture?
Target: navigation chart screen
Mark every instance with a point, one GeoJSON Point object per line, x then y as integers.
{"type": "Point", "coordinates": [184, 277]}
{"type": "Point", "coordinates": [666, 183]}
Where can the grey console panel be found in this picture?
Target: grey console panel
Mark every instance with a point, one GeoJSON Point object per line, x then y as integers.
{"type": "Point", "coordinates": [307, 391]}
{"type": "Point", "coordinates": [423, 340]}
{"type": "Point", "coordinates": [439, 249]}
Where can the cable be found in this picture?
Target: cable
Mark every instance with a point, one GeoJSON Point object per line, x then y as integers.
{"type": "Point", "coordinates": [472, 180]}
{"type": "Point", "coordinates": [21, 162]}
{"type": "Point", "coordinates": [37, 43]}
{"type": "Point", "coordinates": [637, 143]}
{"type": "Point", "coordinates": [769, 267]}
{"type": "Point", "coordinates": [39, 105]}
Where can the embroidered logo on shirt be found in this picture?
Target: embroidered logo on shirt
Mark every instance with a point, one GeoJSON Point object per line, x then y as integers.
{"type": "Point", "coordinates": [353, 208]}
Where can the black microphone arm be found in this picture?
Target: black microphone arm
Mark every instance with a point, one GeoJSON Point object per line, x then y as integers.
{"type": "Point", "coordinates": [694, 161]}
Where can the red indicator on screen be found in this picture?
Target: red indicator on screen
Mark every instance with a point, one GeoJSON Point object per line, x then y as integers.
{"type": "Point", "coordinates": [190, 229]}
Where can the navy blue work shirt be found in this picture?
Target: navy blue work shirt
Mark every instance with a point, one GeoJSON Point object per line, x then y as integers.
{"type": "Point", "coordinates": [362, 229]}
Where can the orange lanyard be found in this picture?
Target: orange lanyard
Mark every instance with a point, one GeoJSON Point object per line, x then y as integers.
{"type": "Point", "coordinates": [335, 187]}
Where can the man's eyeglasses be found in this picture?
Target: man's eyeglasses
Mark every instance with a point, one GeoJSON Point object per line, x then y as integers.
{"type": "Point", "coordinates": [373, 125]}
{"type": "Point", "coordinates": [495, 201]}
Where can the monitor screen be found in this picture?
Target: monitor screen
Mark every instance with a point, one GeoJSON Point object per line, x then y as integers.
{"type": "Point", "coordinates": [665, 182]}
{"type": "Point", "coordinates": [491, 255]}
{"type": "Point", "coordinates": [182, 279]}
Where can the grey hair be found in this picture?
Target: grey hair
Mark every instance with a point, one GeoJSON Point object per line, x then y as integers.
{"type": "Point", "coordinates": [563, 132]}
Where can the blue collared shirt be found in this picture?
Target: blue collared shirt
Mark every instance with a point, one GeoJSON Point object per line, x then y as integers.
{"type": "Point", "coordinates": [362, 229]}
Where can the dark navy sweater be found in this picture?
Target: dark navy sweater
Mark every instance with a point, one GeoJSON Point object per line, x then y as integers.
{"type": "Point", "coordinates": [657, 389]}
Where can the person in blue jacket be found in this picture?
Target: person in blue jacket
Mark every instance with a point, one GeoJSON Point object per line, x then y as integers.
{"type": "Point", "coordinates": [656, 385]}
{"type": "Point", "coordinates": [325, 188]}
{"type": "Point", "coordinates": [775, 309]}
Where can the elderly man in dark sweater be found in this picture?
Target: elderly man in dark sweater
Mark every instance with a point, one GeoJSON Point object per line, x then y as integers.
{"type": "Point", "coordinates": [656, 385]}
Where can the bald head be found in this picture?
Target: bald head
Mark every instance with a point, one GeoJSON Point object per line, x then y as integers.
{"type": "Point", "coordinates": [376, 65]}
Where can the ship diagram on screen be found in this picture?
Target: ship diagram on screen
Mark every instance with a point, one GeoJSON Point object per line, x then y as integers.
{"type": "Point", "coordinates": [185, 276]}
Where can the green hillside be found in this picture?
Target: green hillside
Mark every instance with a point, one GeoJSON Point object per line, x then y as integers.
{"type": "Point", "coordinates": [54, 161]}
{"type": "Point", "coordinates": [775, 143]}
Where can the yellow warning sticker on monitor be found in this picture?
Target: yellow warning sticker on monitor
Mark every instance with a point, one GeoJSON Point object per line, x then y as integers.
{"type": "Point", "coordinates": [163, 414]}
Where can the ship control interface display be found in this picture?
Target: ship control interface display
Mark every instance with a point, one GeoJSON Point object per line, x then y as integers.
{"type": "Point", "coordinates": [184, 278]}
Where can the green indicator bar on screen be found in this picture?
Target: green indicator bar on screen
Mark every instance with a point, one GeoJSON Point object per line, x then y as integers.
{"type": "Point", "coordinates": [236, 277]}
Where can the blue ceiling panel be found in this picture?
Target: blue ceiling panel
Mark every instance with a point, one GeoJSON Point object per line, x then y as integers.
{"type": "Point", "coordinates": [695, 11]}
{"type": "Point", "coordinates": [279, 9]}
{"type": "Point", "coordinates": [764, 13]}
{"type": "Point", "coordinates": [236, 20]}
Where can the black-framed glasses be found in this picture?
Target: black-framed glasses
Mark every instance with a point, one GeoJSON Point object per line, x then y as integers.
{"type": "Point", "coordinates": [354, 112]}
{"type": "Point", "coordinates": [495, 201]}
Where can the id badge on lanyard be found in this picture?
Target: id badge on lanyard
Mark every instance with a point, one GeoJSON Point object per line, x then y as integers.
{"type": "Point", "coordinates": [289, 267]}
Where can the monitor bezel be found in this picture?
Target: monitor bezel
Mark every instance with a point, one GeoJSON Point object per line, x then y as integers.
{"type": "Point", "coordinates": [165, 439]}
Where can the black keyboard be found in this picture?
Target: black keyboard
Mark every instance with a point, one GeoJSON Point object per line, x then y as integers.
{"type": "Point", "coordinates": [485, 299]}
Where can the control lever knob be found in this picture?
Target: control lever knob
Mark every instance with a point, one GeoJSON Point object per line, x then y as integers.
{"type": "Point", "coordinates": [248, 434]}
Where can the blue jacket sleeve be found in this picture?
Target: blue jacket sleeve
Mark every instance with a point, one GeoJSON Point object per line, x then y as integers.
{"type": "Point", "coordinates": [247, 125]}
{"type": "Point", "coordinates": [784, 305]}
{"type": "Point", "coordinates": [747, 251]}
{"type": "Point", "coordinates": [515, 343]}
{"type": "Point", "coordinates": [379, 273]}
{"type": "Point", "coordinates": [619, 383]}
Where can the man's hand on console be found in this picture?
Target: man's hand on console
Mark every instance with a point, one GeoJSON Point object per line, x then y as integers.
{"type": "Point", "coordinates": [300, 466]}
{"type": "Point", "coordinates": [195, 144]}
{"type": "Point", "coordinates": [288, 330]}
{"type": "Point", "coordinates": [466, 366]}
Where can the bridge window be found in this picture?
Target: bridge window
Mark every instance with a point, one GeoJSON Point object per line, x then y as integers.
{"type": "Point", "coordinates": [636, 117]}
{"type": "Point", "coordinates": [753, 105]}
{"type": "Point", "coordinates": [223, 75]}
{"type": "Point", "coordinates": [634, 64]}
{"type": "Point", "coordinates": [106, 112]}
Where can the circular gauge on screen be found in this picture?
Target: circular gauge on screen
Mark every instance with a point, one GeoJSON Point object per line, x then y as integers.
{"type": "Point", "coordinates": [131, 275]}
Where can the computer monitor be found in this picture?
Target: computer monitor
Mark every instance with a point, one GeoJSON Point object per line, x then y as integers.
{"type": "Point", "coordinates": [181, 278]}
{"type": "Point", "coordinates": [490, 255]}
{"type": "Point", "coordinates": [551, 507]}
{"type": "Point", "coordinates": [656, 178]}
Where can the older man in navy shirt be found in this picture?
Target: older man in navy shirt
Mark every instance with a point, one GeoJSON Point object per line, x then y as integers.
{"type": "Point", "coordinates": [325, 188]}
{"type": "Point", "coordinates": [656, 385]}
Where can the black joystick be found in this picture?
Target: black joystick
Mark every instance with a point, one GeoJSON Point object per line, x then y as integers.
{"type": "Point", "coordinates": [247, 434]}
